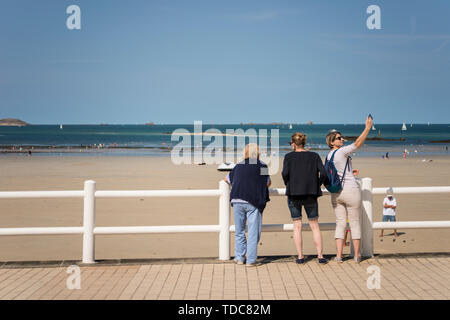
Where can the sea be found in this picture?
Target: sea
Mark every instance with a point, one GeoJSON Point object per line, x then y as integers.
{"type": "Point", "coordinates": [422, 140]}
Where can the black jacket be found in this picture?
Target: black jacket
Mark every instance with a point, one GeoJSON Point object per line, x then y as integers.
{"type": "Point", "coordinates": [303, 174]}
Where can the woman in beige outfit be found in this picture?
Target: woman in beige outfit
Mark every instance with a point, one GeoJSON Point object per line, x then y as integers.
{"type": "Point", "coordinates": [348, 200]}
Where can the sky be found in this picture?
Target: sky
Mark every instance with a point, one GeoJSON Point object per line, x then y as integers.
{"type": "Point", "coordinates": [224, 62]}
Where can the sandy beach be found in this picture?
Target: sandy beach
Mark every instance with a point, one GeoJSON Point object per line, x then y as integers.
{"type": "Point", "coordinates": [21, 173]}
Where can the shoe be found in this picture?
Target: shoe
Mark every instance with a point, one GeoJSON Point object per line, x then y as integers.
{"type": "Point", "coordinates": [254, 264]}
{"type": "Point", "coordinates": [300, 261]}
{"type": "Point", "coordinates": [238, 261]}
{"type": "Point", "coordinates": [357, 259]}
{"type": "Point", "coordinates": [338, 260]}
{"type": "Point", "coordinates": [323, 261]}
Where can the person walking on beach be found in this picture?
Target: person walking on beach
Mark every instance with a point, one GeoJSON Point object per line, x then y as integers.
{"type": "Point", "coordinates": [389, 206]}
{"type": "Point", "coordinates": [303, 174]}
{"type": "Point", "coordinates": [347, 202]}
{"type": "Point", "coordinates": [250, 184]}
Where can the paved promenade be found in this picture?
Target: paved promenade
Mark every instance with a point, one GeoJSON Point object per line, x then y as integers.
{"type": "Point", "coordinates": [402, 277]}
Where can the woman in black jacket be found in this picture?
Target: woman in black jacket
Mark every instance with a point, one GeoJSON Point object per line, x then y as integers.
{"type": "Point", "coordinates": [303, 174]}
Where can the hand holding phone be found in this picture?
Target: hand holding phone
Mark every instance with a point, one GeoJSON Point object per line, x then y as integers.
{"type": "Point", "coordinates": [369, 121]}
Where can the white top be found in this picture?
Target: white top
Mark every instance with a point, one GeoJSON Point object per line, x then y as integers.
{"type": "Point", "coordinates": [389, 211]}
{"type": "Point", "coordinates": [340, 159]}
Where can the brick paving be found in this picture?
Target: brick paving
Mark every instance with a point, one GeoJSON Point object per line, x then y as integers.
{"type": "Point", "coordinates": [425, 277]}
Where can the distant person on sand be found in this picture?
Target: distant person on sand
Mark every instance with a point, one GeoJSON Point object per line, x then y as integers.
{"type": "Point", "coordinates": [303, 174]}
{"type": "Point", "coordinates": [250, 184]}
{"type": "Point", "coordinates": [389, 206]}
{"type": "Point", "coordinates": [347, 202]}
{"type": "Point", "coordinates": [387, 155]}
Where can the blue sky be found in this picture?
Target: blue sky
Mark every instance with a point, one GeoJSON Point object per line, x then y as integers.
{"type": "Point", "coordinates": [224, 61]}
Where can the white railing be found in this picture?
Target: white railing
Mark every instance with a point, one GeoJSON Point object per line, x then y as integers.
{"type": "Point", "coordinates": [90, 194]}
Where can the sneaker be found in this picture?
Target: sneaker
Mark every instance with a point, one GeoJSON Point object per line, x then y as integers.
{"type": "Point", "coordinates": [300, 261]}
{"type": "Point", "coordinates": [322, 261]}
{"type": "Point", "coordinates": [338, 260]}
{"type": "Point", "coordinates": [254, 264]}
{"type": "Point", "coordinates": [238, 261]}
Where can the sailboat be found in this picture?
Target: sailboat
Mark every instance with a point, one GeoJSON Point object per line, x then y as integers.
{"type": "Point", "coordinates": [60, 126]}
{"type": "Point", "coordinates": [290, 126]}
{"type": "Point", "coordinates": [404, 127]}
{"type": "Point", "coordinates": [373, 128]}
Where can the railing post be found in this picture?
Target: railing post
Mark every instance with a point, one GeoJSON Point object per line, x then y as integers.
{"type": "Point", "coordinates": [366, 218]}
{"type": "Point", "coordinates": [89, 222]}
{"type": "Point", "coordinates": [224, 221]}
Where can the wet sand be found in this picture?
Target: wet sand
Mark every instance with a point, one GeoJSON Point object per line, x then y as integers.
{"type": "Point", "coordinates": [22, 173]}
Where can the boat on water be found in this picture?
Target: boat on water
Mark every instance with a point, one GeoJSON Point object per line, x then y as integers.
{"type": "Point", "coordinates": [404, 127]}
{"type": "Point", "coordinates": [61, 126]}
{"type": "Point", "coordinates": [290, 126]}
{"type": "Point", "coordinates": [373, 128]}
{"type": "Point", "coordinates": [226, 166]}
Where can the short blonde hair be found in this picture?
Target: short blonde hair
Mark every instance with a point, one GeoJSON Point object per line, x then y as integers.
{"type": "Point", "coordinates": [251, 150]}
{"type": "Point", "coordinates": [331, 137]}
{"type": "Point", "coordinates": [299, 139]}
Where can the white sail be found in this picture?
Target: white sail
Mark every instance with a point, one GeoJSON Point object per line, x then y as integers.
{"type": "Point", "coordinates": [60, 126]}
{"type": "Point", "coordinates": [373, 127]}
{"type": "Point", "coordinates": [404, 127]}
{"type": "Point", "coordinates": [290, 126]}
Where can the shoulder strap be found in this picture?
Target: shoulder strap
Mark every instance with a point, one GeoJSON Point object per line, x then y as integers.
{"type": "Point", "coordinates": [345, 169]}
{"type": "Point", "coordinates": [332, 156]}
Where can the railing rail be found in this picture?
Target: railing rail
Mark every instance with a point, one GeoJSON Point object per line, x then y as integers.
{"type": "Point", "coordinates": [90, 194]}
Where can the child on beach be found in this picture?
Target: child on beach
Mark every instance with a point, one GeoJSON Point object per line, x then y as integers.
{"type": "Point", "coordinates": [389, 206]}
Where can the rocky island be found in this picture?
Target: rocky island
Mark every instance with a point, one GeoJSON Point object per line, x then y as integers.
{"type": "Point", "coordinates": [10, 122]}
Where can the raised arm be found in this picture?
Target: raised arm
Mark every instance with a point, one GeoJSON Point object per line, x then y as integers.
{"type": "Point", "coordinates": [362, 138]}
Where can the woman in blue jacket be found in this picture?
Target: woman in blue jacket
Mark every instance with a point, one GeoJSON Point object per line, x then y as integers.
{"type": "Point", "coordinates": [250, 183]}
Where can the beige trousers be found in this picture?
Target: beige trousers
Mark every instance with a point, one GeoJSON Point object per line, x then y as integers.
{"type": "Point", "coordinates": [347, 202]}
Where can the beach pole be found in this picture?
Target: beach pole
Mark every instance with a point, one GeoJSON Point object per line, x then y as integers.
{"type": "Point", "coordinates": [224, 221]}
{"type": "Point", "coordinates": [89, 222]}
{"type": "Point", "coordinates": [366, 218]}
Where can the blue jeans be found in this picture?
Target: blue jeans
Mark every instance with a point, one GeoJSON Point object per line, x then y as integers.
{"type": "Point", "coordinates": [242, 213]}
